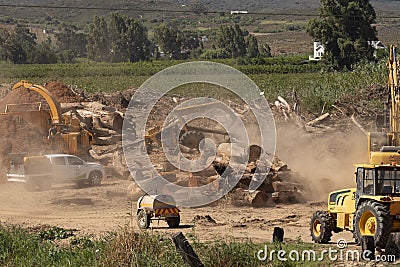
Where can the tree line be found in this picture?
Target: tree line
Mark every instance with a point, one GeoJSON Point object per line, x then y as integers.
{"type": "Point", "coordinates": [345, 28]}
{"type": "Point", "coordinates": [124, 39]}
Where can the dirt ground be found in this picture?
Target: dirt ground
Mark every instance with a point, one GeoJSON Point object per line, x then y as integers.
{"type": "Point", "coordinates": [95, 211]}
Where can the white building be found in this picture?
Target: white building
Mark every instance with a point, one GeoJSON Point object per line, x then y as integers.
{"type": "Point", "coordinates": [319, 51]}
{"type": "Point", "coordinates": [377, 45]}
{"type": "Point", "coordinates": [239, 12]}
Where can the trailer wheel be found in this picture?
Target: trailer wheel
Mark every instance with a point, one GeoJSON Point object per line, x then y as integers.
{"type": "Point", "coordinates": [373, 219]}
{"type": "Point", "coordinates": [143, 220]}
{"type": "Point", "coordinates": [173, 222]}
{"type": "Point", "coordinates": [95, 178]}
{"type": "Point", "coordinates": [321, 226]}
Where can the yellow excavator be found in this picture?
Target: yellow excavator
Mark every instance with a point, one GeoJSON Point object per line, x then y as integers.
{"type": "Point", "coordinates": [65, 131]}
{"type": "Point", "coordinates": [373, 207]}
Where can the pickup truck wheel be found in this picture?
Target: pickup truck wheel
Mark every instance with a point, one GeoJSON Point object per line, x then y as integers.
{"type": "Point", "coordinates": [95, 178]}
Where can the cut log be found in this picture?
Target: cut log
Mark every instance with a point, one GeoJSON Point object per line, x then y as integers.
{"type": "Point", "coordinates": [285, 186]}
{"type": "Point", "coordinates": [284, 102]}
{"type": "Point", "coordinates": [187, 150]}
{"type": "Point", "coordinates": [227, 150]}
{"type": "Point", "coordinates": [113, 121]}
{"type": "Point", "coordinates": [287, 197]}
{"type": "Point", "coordinates": [103, 132]}
{"type": "Point", "coordinates": [108, 140]}
{"type": "Point", "coordinates": [242, 197]}
{"type": "Point", "coordinates": [96, 122]}
{"type": "Point", "coordinates": [358, 125]}
{"type": "Point", "coordinates": [278, 165]}
{"type": "Point", "coordinates": [318, 120]}
{"type": "Point", "coordinates": [107, 156]}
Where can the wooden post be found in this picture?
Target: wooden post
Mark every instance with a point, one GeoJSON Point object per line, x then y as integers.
{"type": "Point", "coordinates": [185, 249]}
{"type": "Point", "coordinates": [368, 244]}
{"type": "Point", "coordinates": [278, 234]}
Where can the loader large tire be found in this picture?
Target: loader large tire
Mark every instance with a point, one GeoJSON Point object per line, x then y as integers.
{"type": "Point", "coordinates": [373, 219]}
{"type": "Point", "coordinates": [321, 227]}
{"type": "Point", "coordinates": [191, 139]}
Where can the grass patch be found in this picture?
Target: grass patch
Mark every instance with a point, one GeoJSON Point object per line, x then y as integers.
{"type": "Point", "coordinates": [22, 247]}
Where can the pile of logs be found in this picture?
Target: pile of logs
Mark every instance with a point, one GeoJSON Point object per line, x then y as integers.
{"type": "Point", "coordinates": [280, 185]}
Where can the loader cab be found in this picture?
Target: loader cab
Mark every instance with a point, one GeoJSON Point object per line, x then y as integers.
{"type": "Point", "coordinates": [378, 180]}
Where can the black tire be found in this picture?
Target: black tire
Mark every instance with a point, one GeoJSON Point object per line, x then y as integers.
{"type": "Point", "coordinates": [95, 178]}
{"type": "Point", "coordinates": [143, 220]}
{"type": "Point", "coordinates": [373, 219]}
{"type": "Point", "coordinates": [173, 222]}
{"type": "Point", "coordinates": [321, 226]}
{"type": "Point", "coordinates": [191, 139]}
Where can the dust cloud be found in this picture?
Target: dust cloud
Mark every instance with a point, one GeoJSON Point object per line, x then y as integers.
{"type": "Point", "coordinates": [325, 162]}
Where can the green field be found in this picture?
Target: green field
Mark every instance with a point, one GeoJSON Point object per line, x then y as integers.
{"type": "Point", "coordinates": [313, 87]}
{"type": "Point", "coordinates": [60, 247]}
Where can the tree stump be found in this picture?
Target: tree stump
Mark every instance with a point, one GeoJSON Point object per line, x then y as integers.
{"type": "Point", "coordinates": [278, 234]}
{"type": "Point", "coordinates": [186, 250]}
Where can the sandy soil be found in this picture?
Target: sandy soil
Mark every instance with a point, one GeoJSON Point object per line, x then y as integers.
{"type": "Point", "coordinates": [101, 209]}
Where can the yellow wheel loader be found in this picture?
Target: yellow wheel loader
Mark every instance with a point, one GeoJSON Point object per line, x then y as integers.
{"type": "Point", "coordinates": [373, 207]}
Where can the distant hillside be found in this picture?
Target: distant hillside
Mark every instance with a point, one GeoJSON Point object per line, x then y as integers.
{"type": "Point", "coordinates": [383, 8]}
{"type": "Point", "coordinates": [87, 12]}
{"type": "Point", "coordinates": [257, 5]}
{"type": "Point", "coordinates": [284, 33]}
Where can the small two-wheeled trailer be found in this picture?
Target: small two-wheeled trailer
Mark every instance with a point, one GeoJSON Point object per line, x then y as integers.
{"type": "Point", "coordinates": [157, 207]}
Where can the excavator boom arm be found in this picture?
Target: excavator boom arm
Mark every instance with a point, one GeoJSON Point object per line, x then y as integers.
{"type": "Point", "coordinates": [55, 109]}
